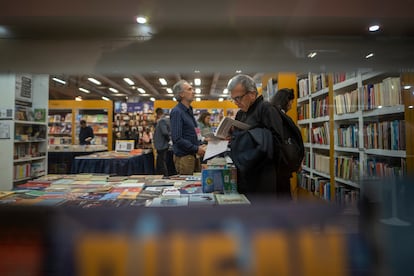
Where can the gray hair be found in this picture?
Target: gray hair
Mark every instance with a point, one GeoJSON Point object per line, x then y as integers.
{"type": "Point", "coordinates": [178, 88]}
{"type": "Point", "coordinates": [246, 81]}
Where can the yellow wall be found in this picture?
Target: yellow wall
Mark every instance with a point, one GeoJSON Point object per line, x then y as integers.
{"type": "Point", "coordinates": [201, 104]}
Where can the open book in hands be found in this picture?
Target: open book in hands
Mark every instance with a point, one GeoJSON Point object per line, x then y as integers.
{"type": "Point", "coordinates": [225, 125]}
{"type": "Point", "coordinates": [218, 142]}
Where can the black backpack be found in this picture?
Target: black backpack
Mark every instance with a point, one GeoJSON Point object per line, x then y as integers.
{"type": "Point", "coordinates": [292, 149]}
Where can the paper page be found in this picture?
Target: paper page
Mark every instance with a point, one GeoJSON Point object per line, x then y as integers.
{"type": "Point", "coordinates": [214, 147]}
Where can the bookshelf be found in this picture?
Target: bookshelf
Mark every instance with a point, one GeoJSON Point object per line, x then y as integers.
{"type": "Point", "coordinates": [23, 123]}
{"type": "Point", "coordinates": [362, 136]}
{"type": "Point", "coordinates": [65, 115]}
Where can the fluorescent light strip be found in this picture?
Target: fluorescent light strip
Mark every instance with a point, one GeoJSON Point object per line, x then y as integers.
{"type": "Point", "coordinates": [105, 98]}
{"type": "Point", "coordinates": [225, 91]}
{"type": "Point", "coordinates": [152, 99]}
{"type": "Point", "coordinates": [162, 81]}
{"type": "Point", "coordinates": [59, 80]}
{"type": "Point", "coordinates": [140, 90]}
{"type": "Point", "coordinates": [129, 81]}
{"type": "Point", "coordinates": [198, 99]}
{"type": "Point", "coordinates": [84, 90]}
{"type": "Point", "coordinates": [198, 90]}
{"type": "Point", "coordinates": [78, 98]}
{"type": "Point", "coordinates": [370, 55]}
{"type": "Point", "coordinates": [113, 90]}
{"type": "Point", "coordinates": [197, 81]}
{"type": "Point", "coordinates": [407, 86]}
{"type": "Point", "coordinates": [220, 99]}
{"type": "Point", "coordinates": [95, 81]}
{"type": "Point", "coordinates": [312, 55]}
{"type": "Point", "coordinates": [169, 90]}
{"type": "Point", "coordinates": [374, 28]}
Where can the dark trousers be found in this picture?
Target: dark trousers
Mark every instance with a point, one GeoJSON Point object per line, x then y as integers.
{"type": "Point", "coordinates": [161, 164]}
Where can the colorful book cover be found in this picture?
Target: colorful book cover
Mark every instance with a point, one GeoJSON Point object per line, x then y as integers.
{"type": "Point", "coordinates": [223, 199]}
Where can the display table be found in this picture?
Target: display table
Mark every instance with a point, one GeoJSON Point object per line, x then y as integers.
{"type": "Point", "coordinates": [114, 163]}
{"type": "Point", "coordinates": [60, 157]}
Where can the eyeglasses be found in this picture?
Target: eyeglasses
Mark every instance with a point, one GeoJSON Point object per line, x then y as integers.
{"type": "Point", "coordinates": [238, 98]}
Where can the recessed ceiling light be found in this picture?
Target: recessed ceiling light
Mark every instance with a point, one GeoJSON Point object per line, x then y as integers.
{"type": "Point", "coordinates": [59, 80]}
{"type": "Point", "coordinates": [174, 99]}
{"type": "Point", "coordinates": [380, 106]}
{"type": "Point", "coordinates": [312, 54]}
{"type": "Point", "coordinates": [141, 90]}
{"type": "Point", "coordinates": [84, 90]}
{"type": "Point", "coordinates": [113, 90]}
{"type": "Point", "coordinates": [410, 107]}
{"type": "Point", "coordinates": [141, 20]}
{"type": "Point", "coordinates": [238, 71]}
{"type": "Point", "coordinates": [198, 99]}
{"type": "Point", "coordinates": [407, 86]}
{"type": "Point", "coordinates": [95, 81]}
{"type": "Point", "coordinates": [152, 99]}
{"type": "Point", "coordinates": [78, 98]}
{"type": "Point", "coordinates": [225, 91]}
{"type": "Point", "coordinates": [169, 90]}
{"type": "Point", "coordinates": [162, 81]}
{"type": "Point", "coordinates": [198, 90]}
{"type": "Point", "coordinates": [374, 28]}
{"type": "Point", "coordinates": [220, 99]}
{"type": "Point", "coordinates": [196, 71]}
{"type": "Point", "coordinates": [370, 55]}
{"type": "Point", "coordinates": [105, 98]}
{"type": "Point", "coordinates": [129, 81]}
{"type": "Point", "coordinates": [197, 81]}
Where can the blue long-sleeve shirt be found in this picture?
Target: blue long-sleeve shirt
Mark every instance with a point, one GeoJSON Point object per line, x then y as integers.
{"type": "Point", "coordinates": [183, 133]}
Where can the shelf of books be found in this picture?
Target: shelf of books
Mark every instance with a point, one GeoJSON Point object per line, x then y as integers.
{"type": "Point", "coordinates": [24, 128]}
{"type": "Point", "coordinates": [369, 131]}
{"type": "Point", "coordinates": [64, 122]}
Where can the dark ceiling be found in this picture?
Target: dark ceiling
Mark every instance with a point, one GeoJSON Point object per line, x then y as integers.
{"type": "Point", "coordinates": [78, 39]}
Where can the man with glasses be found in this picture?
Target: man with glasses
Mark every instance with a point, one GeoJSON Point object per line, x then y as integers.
{"type": "Point", "coordinates": [259, 114]}
{"type": "Point", "coordinates": [185, 134]}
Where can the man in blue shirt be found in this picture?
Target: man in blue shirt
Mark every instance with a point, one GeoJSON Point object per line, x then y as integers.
{"type": "Point", "coordinates": [185, 134]}
{"type": "Point", "coordinates": [85, 133]}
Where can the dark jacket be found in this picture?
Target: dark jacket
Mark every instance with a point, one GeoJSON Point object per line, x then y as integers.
{"type": "Point", "coordinates": [262, 179]}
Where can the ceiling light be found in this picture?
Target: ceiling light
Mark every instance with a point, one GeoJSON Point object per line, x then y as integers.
{"type": "Point", "coordinates": [95, 81]}
{"type": "Point", "coordinates": [312, 55]}
{"type": "Point", "coordinates": [152, 99]}
{"type": "Point", "coordinates": [174, 99]}
{"type": "Point", "coordinates": [129, 81]}
{"type": "Point", "coordinates": [238, 71]}
{"type": "Point", "coordinates": [374, 28]}
{"type": "Point", "coordinates": [113, 90]}
{"type": "Point", "coordinates": [84, 90]}
{"type": "Point", "coordinates": [370, 55]}
{"type": "Point", "coordinates": [169, 90]}
{"type": "Point", "coordinates": [105, 98]}
{"type": "Point", "coordinates": [410, 107]}
{"type": "Point", "coordinates": [198, 99]}
{"type": "Point", "coordinates": [198, 90]}
{"type": "Point", "coordinates": [225, 91]}
{"type": "Point", "coordinates": [162, 81]}
{"type": "Point", "coordinates": [59, 80]}
{"type": "Point", "coordinates": [78, 98]}
{"type": "Point", "coordinates": [170, 95]}
{"type": "Point", "coordinates": [141, 20]}
{"type": "Point", "coordinates": [141, 90]}
{"type": "Point", "coordinates": [380, 106]}
{"type": "Point", "coordinates": [196, 71]}
{"type": "Point", "coordinates": [220, 99]}
{"type": "Point", "coordinates": [407, 86]}
{"type": "Point", "coordinates": [197, 81]}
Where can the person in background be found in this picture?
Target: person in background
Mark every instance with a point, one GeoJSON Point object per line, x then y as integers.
{"type": "Point", "coordinates": [259, 114]}
{"type": "Point", "coordinates": [283, 100]}
{"type": "Point", "coordinates": [85, 134]}
{"type": "Point", "coordinates": [162, 137]}
{"type": "Point", "coordinates": [185, 134]}
{"type": "Point", "coordinates": [204, 125]}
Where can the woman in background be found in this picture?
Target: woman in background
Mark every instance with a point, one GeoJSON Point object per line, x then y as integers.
{"type": "Point", "coordinates": [204, 125]}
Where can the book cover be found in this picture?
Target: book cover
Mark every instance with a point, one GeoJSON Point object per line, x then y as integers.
{"type": "Point", "coordinates": [169, 202]}
{"type": "Point", "coordinates": [201, 199]}
{"type": "Point", "coordinates": [39, 115]}
{"type": "Point", "coordinates": [224, 199]}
